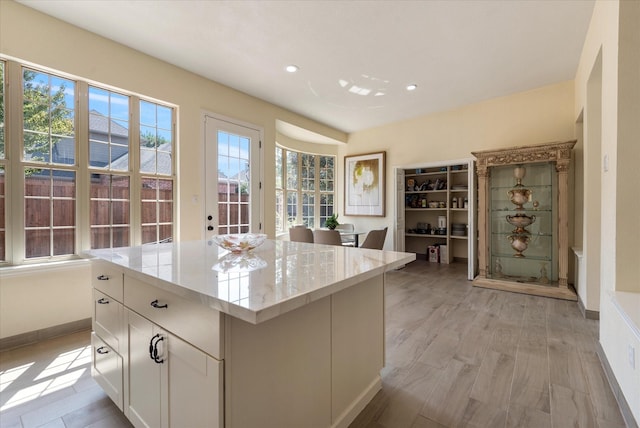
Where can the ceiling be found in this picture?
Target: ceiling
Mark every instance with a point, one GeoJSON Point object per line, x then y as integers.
{"type": "Point", "coordinates": [355, 58]}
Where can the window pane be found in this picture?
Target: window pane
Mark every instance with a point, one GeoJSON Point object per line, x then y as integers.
{"type": "Point", "coordinates": [280, 226]}
{"type": "Point", "coordinates": [157, 210]}
{"type": "Point", "coordinates": [292, 170]}
{"type": "Point", "coordinates": [49, 212]}
{"type": "Point", "coordinates": [149, 234]}
{"type": "Point", "coordinates": [120, 237]}
{"type": "Point", "coordinates": [156, 138]}
{"type": "Point", "coordinates": [279, 168]}
{"type": "Point", "coordinates": [64, 212]}
{"type": "Point", "coordinates": [109, 210]}
{"type": "Point", "coordinates": [108, 129]}
{"type": "Point", "coordinates": [48, 118]}
{"type": "Point", "coordinates": [63, 242]}
{"type": "Point", "coordinates": [38, 243]}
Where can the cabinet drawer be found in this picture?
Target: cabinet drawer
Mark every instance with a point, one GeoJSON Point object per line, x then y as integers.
{"type": "Point", "coordinates": [106, 369]}
{"type": "Point", "coordinates": [107, 279]}
{"type": "Point", "coordinates": [108, 315]}
{"type": "Point", "coordinates": [195, 323]}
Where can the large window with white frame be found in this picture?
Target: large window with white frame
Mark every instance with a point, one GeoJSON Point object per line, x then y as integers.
{"type": "Point", "coordinates": [91, 167]}
{"type": "Point", "coordinates": [304, 189]}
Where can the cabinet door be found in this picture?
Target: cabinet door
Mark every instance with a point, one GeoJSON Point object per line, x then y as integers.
{"type": "Point", "coordinates": [143, 401]}
{"type": "Point", "coordinates": [195, 387]}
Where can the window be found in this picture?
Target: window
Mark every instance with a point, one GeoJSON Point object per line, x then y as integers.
{"type": "Point", "coordinates": [233, 182]}
{"type": "Point", "coordinates": [49, 164]}
{"type": "Point", "coordinates": [58, 170]}
{"type": "Point", "coordinates": [156, 167]}
{"type": "Point", "coordinates": [109, 207]}
{"type": "Point", "coordinates": [304, 189]}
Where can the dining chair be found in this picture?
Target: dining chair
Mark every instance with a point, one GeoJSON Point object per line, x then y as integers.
{"type": "Point", "coordinates": [326, 236]}
{"type": "Point", "coordinates": [375, 239]}
{"type": "Point", "coordinates": [300, 234]}
{"type": "Point", "coordinates": [347, 240]}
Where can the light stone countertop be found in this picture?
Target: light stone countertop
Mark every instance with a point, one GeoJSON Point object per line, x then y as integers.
{"type": "Point", "coordinates": [275, 278]}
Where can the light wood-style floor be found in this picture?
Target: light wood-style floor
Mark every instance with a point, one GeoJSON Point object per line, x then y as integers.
{"type": "Point", "coordinates": [456, 356]}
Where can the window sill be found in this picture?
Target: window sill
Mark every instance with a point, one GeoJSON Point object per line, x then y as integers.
{"type": "Point", "coordinates": [30, 269]}
{"type": "Point", "coordinates": [628, 305]}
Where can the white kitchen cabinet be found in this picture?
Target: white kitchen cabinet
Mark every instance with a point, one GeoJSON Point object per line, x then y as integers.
{"type": "Point", "coordinates": [170, 382]}
{"type": "Point", "coordinates": [107, 337]}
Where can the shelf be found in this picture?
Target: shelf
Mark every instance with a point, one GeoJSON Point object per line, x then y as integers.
{"type": "Point", "coordinates": [425, 209]}
{"type": "Point", "coordinates": [533, 186]}
{"type": "Point", "coordinates": [413, 192]}
{"type": "Point", "coordinates": [521, 259]}
{"type": "Point", "coordinates": [425, 235]}
{"type": "Point", "coordinates": [531, 235]}
{"type": "Point", "coordinates": [458, 237]}
{"type": "Point", "coordinates": [527, 212]}
{"type": "Point", "coordinates": [426, 174]}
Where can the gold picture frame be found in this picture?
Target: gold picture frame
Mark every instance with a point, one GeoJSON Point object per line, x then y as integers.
{"type": "Point", "coordinates": [364, 184]}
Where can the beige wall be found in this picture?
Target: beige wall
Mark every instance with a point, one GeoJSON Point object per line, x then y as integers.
{"type": "Point", "coordinates": [619, 234]}
{"type": "Point", "coordinates": [49, 296]}
{"type": "Point", "coordinates": [538, 116]}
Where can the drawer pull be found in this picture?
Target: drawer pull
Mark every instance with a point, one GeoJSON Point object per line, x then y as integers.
{"type": "Point", "coordinates": [103, 278]}
{"type": "Point", "coordinates": [156, 305]}
{"type": "Point", "coordinates": [102, 350]}
{"type": "Point", "coordinates": [103, 301]}
{"type": "Point", "coordinates": [153, 348]}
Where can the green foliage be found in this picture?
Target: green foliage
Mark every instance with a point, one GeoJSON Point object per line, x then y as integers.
{"type": "Point", "coordinates": [149, 139]}
{"type": "Point", "coordinates": [332, 221]}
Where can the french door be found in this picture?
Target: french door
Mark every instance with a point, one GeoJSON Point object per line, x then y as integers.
{"type": "Point", "coordinates": [232, 173]}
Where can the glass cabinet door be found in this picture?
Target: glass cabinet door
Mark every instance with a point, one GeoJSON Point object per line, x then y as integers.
{"type": "Point", "coordinates": [523, 222]}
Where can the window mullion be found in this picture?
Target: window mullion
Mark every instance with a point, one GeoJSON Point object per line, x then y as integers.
{"type": "Point", "coordinates": [135, 196]}
{"type": "Point", "coordinates": [83, 218]}
{"type": "Point", "coordinates": [13, 151]}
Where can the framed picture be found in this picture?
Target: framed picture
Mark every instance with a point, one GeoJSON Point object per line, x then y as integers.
{"type": "Point", "coordinates": [364, 184]}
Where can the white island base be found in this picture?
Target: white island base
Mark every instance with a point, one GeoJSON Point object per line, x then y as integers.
{"type": "Point", "coordinates": [317, 366]}
{"type": "Point", "coordinates": [298, 343]}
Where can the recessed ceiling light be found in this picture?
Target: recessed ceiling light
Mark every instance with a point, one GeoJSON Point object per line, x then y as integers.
{"type": "Point", "coordinates": [291, 68]}
{"type": "Point", "coordinates": [412, 87]}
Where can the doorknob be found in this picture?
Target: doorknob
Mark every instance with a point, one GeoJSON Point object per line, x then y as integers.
{"type": "Point", "coordinates": [209, 217]}
{"type": "Point", "coordinates": [209, 227]}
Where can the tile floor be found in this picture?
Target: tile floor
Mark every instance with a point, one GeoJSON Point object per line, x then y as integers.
{"type": "Point", "coordinates": [456, 356]}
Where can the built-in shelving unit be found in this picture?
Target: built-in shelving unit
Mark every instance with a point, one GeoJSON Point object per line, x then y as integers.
{"type": "Point", "coordinates": [435, 207]}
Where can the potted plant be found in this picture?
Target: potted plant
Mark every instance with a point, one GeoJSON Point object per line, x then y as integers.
{"type": "Point", "coordinates": [332, 221]}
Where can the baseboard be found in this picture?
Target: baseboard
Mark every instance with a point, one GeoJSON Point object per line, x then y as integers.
{"type": "Point", "coordinates": [28, 338]}
{"type": "Point", "coordinates": [629, 420]}
{"type": "Point", "coordinates": [592, 315]}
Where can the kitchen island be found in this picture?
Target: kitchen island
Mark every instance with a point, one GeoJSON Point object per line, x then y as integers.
{"type": "Point", "coordinates": [288, 335]}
